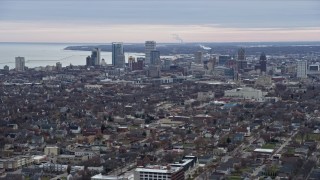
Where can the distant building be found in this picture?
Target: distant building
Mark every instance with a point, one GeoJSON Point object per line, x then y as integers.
{"type": "Point", "coordinates": [302, 69]}
{"type": "Point", "coordinates": [94, 59]}
{"type": "Point", "coordinates": [155, 58]}
{"type": "Point", "coordinates": [58, 66]}
{"type": "Point", "coordinates": [241, 54]}
{"type": "Point", "coordinates": [159, 173]}
{"type": "Point", "coordinates": [95, 56]}
{"type": "Point", "coordinates": [138, 65]}
{"type": "Point", "coordinates": [241, 61]}
{"type": "Point", "coordinates": [6, 68]}
{"type": "Point", "coordinates": [20, 64]}
{"type": "Point", "coordinates": [198, 57]}
{"type": "Point", "coordinates": [51, 150]}
{"type": "Point", "coordinates": [149, 46]}
{"type": "Point", "coordinates": [131, 60]}
{"type": "Point", "coordinates": [314, 67]}
{"type": "Point", "coordinates": [223, 59]}
{"type": "Point", "coordinates": [88, 61]}
{"type": "Point", "coordinates": [154, 72]}
{"type": "Point", "coordinates": [166, 64]}
{"type": "Point", "coordinates": [246, 93]}
{"type": "Point", "coordinates": [242, 64]}
{"type": "Point", "coordinates": [263, 62]}
{"type": "Point", "coordinates": [118, 58]}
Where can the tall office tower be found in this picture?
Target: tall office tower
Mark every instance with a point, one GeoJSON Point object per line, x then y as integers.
{"type": "Point", "coordinates": [155, 58]}
{"type": "Point", "coordinates": [118, 55]}
{"type": "Point", "coordinates": [263, 62]}
{"type": "Point", "coordinates": [302, 69]}
{"type": "Point", "coordinates": [131, 61]}
{"type": "Point", "coordinates": [241, 54]}
{"type": "Point", "coordinates": [149, 46]}
{"type": "Point", "coordinates": [138, 65]}
{"type": "Point", "coordinates": [88, 61]}
{"type": "Point", "coordinates": [223, 59]}
{"type": "Point", "coordinates": [198, 56]}
{"type": "Point", "coordinates": [154, 71]}
{"type": "Point", "coordinates": [20, 64]}
{"type": "Point", "coordinates": [241, 62]}
{"type": "Point", "coordinates": [95, 56]}
{"type": "Point", "coordinates": [58, 66]}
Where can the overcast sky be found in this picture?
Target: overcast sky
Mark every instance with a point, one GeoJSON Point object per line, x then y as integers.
{"type": "Point", "coordinates": [140, 20]}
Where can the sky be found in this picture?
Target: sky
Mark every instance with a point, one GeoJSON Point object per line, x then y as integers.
{"type": "Point", "coordinates": [97, 21]}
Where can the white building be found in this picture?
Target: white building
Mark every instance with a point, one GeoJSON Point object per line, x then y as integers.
{"type": "Point", "coordinates": [159, 173]}
{"type": "Point", "coordinates": [107, 177]}
{"type": "Point", "coordinates": [149, 46]}
{"type": "Point", "coordinates": [204, 96]}
{"type": "Point", "coordinates": [302, 67]}
{"type": "Point", "coordinates": [20, 63]}
{"type": "Point", "coordinates": [51, 150]}
{"type": "Point", "coordinates": [246, 93]}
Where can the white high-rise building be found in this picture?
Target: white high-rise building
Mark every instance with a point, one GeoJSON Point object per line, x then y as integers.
{"type": "Point", "coordinates": [302, 67]}
{"type": "Point", "coordinates": [149, 46]}
{"type": "Point", "coordinates": [20, 64]}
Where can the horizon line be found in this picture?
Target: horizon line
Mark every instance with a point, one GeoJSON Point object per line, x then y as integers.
{"type": "Point", "coordinates": [219, 42]}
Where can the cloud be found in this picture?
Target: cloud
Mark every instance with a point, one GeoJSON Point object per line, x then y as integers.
{"type": "Point", "coordinates": [104, 33]}
{"type": "Point", "coordinates": [226, 13]}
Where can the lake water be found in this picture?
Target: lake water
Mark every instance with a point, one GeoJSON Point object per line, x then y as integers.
{"type": "Point", "coordinates": [43, 54]}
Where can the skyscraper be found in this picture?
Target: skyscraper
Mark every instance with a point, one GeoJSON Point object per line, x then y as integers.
{"type": "Point", "coordinates": [58, 66]}
{"type": "Point", "coordinates": [241, 62]}
{"type": "Point", "coordinates": [241, 54]}
{"type": "Point", "coordinates": [149, 46]}
{"type": "Point", "coordinates": [155, 58]}
{"type": "Point", "coordinates": [20, 64]}
{"type": "Point", "coordinates": [118, 59]}
{"type": "Point", "coordinates": [263, 62]}
{"type": "Point", "coordinates": [131, 61]}
{"type": "Point", "coordinates": [302, 69]}
{"type": "Point", "coordinates": [198, 56]}
{"type": "Point", "coordinates": [95, 57]}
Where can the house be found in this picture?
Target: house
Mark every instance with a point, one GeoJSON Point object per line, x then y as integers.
{"type": "Point", "coordinates": [37, 140]}
{"type": "Point", "coordinates": [75, 129]}
{"type": "Point", "coordinates": [238, 137]}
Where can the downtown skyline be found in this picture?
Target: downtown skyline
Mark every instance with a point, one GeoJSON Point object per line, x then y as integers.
{"type": "Point", "coordinates": [163, 21]}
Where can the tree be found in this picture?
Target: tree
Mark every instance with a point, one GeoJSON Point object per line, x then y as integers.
{"type": "Point", "coordinates": [228, 140]}
{"type": "Point", "coordinates": [103, 127]}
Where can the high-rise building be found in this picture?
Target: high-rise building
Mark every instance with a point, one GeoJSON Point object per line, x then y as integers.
{"type": "Point", "coordinates": [241, 62]}
{"type": "Point", "coordinates": [198, 56]}
{"type": "Point", "coordinates": [154, 71]}
{"type": "Point", "coordinates": [118, 58]}
{"type": "Point", "coordinates": [20, 64]}
{"type": "Point", "coordinates": [95, 57]}
{"type": "Point", "coordinates": [155, 58]}
{"type": "Point", "coordinates": [302, 67]}
{"type": "Point", "coordinates": [138, 65]}
{"type": "Point", "coordinates": [131, 61]}
{"type": "Point", "coordinates": [58, 66]}
{"type": "Point", "coordinates": [149, 46]}
{"type": "Point", "coordinates": [223, 59]}
{"type": "Point", "coordinates": [241, 54]}
{"type": "Point", "coordinates": [263, 62]}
